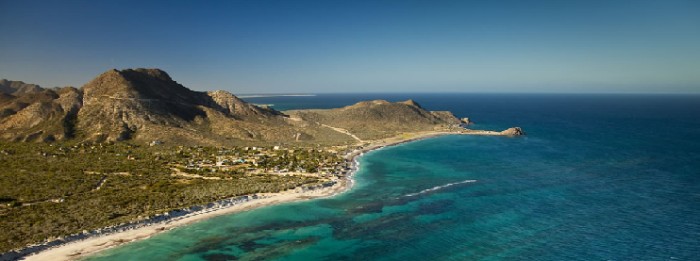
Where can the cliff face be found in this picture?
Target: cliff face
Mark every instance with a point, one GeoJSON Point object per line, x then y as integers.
{"type": "Point", "coordinates": [147, 105]}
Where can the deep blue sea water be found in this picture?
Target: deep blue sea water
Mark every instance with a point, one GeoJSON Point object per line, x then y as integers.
{"type": "Point", "coordinates": [598, 177]}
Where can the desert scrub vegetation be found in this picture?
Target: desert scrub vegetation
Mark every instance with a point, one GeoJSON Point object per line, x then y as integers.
{"type": "Point", "coordinates": [52, 190]}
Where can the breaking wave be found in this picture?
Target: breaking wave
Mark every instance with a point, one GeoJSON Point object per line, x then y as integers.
{"type": "Point", "coordinates": [439, 187]}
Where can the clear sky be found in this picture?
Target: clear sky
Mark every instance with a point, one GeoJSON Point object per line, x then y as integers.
{"type": "Point", "coordinates": [361, 46]}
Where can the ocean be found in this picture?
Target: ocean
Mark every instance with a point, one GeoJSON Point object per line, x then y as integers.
{"type": "Point", "coordinates": [598, 177]}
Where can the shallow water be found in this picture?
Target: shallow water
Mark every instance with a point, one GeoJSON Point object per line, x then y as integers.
{"type": "Point", "coordinates": [598, 177]}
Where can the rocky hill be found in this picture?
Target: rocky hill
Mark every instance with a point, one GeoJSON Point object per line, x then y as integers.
{"type": "Point", "coordinates": [379, 118]}
{"type": "Point", "coordinates": [147, 105]}
{"type": "Point", "coordinates": [17, 87]}
{"type": "Point", "coordinates": [41, 114]}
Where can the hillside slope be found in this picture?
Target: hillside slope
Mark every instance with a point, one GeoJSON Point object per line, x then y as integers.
{"type": "Point", "coordinates": [40, 115]}
{"type": "Point", "coordinates": [379, 118]}
{"type": "Point", "coordinates": [18, 87]}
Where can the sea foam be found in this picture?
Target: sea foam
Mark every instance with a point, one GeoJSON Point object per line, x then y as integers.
{"type": "Point", "coordinates": [439, 187]}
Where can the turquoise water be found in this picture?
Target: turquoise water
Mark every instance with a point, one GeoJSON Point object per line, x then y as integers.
{"type": "Point", "coordinates": [597, 178]}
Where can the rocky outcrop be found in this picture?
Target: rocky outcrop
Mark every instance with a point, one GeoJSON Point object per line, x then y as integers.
{"type": "Point", "coordinates": [411, 102]}
{"type": "Point", "coordinates": [514, 131]}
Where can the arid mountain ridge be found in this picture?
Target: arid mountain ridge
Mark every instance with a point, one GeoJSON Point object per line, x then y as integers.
{"type": "Point", "coordinates": [17, 87]}
{"type": "Point", "coordinates": [146, 105]}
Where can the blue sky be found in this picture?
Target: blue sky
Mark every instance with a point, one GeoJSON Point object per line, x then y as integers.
{"type": "Point", "coordinates": [361, 46]}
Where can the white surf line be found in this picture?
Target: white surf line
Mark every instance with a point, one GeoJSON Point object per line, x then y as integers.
{"type": "Point", "coordinates": [439, 187]}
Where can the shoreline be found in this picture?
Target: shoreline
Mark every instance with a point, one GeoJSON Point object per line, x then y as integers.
{"type": "Point", "coordinates": [97, 243]}
{"type": "Point", "coordinates": [94, 243]}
